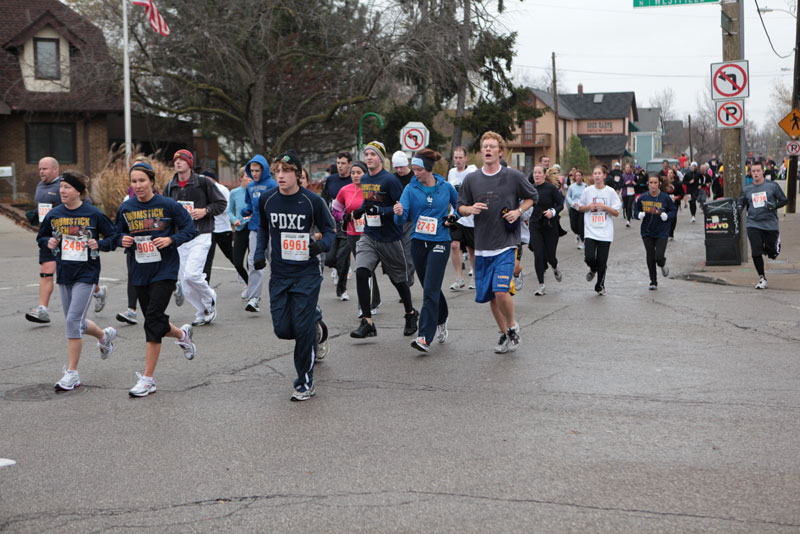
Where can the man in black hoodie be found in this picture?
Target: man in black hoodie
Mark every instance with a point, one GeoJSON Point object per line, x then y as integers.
{"type": "Point", "coordinates": [201, 198]}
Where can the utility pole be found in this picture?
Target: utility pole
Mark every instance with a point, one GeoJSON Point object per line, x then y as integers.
{"type": "Point", "coordinates": [791, 173]}
{"type": "Point", "coordinates": [733, 138]}
{"type": "Point", "coordinates": [691, 149]}
{"type": "Point", "coordinates": [463, 78]}
{"type": "Point", "coordinates": [555, 105]}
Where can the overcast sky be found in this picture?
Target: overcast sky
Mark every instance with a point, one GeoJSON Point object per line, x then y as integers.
{"type": "Point", "coordinates": [608, 45]}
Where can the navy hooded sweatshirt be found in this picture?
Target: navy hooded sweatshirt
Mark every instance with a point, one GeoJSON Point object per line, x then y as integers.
{"type": "Point", "coordinates": [255, 189]}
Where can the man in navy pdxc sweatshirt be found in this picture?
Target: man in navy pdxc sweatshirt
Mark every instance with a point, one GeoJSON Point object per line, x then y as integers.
{"type": "Point", "coordinates": [287, 217]}
{"type": "Point", "coordinates": [258, 170]}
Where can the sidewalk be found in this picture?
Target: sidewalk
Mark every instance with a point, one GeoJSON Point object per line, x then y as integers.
{"type": "Point", "coordinates": [782, 273]}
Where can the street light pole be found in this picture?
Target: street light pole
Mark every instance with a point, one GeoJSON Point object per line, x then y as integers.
{"type": "Point", "coordinates": [791, 177]}
{"type": "Point", "coordinates": [361, 127]}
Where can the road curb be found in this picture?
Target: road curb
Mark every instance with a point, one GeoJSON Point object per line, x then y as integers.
{"type": "Point", "coordinates": [18, 216]}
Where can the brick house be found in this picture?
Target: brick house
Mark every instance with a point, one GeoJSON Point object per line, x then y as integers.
{"type": "Point", "coordinates": [602, 121]}
{"type": "Point", "coordinates": [56, 90]}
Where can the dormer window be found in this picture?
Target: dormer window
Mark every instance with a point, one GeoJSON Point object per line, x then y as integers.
{"type": "Point", "coordinates": [46, 58]}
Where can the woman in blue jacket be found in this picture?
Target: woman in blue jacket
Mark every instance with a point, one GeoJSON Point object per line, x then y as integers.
{"type": "Point", "coordinates": [654, 209]}
{"type": "Point", "coordinates": [426, 202]}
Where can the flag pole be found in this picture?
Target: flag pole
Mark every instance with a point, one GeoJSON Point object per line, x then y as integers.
{"type": "Point", "coordinates": [127, 82]}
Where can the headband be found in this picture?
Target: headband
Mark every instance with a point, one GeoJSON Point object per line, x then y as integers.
{"type": "Point", "coordinates": [360, 166]}
{"type": "Point", "coordinates": [422, 161]}
{"type": "Point", "coordinates": [143, 167]}
{"type": "Point", "coordinates": [72, 180]}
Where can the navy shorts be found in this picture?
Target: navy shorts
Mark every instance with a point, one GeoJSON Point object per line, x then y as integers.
{"type": "Point", "coordinates": [493, 274]}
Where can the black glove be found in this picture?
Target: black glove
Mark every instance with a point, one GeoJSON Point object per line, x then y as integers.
{"type": "Point", "coordinates": [346, 218]}
{"type": "Point", "coordinates": [314, 248]}
{"type": "Point", "coordinates": [372, 210]}
{"type": "Point", "coordinates": [259, 263]}
{"type": "Point", "coordinates": [771, 206]}
{"type": "Point", "coordinates": [451, 219]}
{"type": "Point", "coordinates": [357, 214]}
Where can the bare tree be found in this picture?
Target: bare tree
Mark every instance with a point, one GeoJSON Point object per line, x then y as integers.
{"type": "Point", "coordinates": [664, 99]}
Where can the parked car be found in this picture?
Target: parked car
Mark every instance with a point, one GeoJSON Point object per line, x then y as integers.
{"type": "Point", "coordinates": [655, 165]}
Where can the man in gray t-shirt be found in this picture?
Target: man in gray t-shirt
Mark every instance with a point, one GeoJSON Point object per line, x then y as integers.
{"type": "Point", "coordinates": [493, 194]}
{"type": "Point", "coordinates": [763, 200]}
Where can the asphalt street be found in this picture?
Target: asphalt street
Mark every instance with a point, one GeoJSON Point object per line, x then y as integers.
{"type": "Point", "coordinates": [666, 411]}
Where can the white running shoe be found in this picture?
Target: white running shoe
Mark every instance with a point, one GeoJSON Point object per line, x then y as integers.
{"type": "Point", "coordinates": [107, 343]}
{"type": "Point", "coordinates": [244, 293]}
{"type": "Point", "coordinates": [762, 283]}
{"type": "Point", "coordinates": [252, 305]}
{"type": "Point", "coordinates": [144, 386]}
{"type": "Point", "coordinates": [502, 344]}
{"type": "Point", "coordinates": [38, 314]}
{"type": "Point", "coordinates": [472, 284]}
{"type": "Point", "coordinates": [693, 219]}
{"type": "Point", "coordinates": [442, 332]}
{"type": "Point", "coordinates": [334, 276]}
{"type": "Point", "coordinates": [344, 296]}
{"type": "Point", "coordinates": [303, 395]}
{"type": "Point", "coordinates": [519, 281]}
{"type": "Point", "coordinates": [185, 343]}
{"type": "Point", "coordinates": [458, 284]}
{"type": "Point", "coordinates": [178, 294]}
{"type": "Point", "coordinates": [208, 316]}
{"type": "Point", "coordinates": [69, 381]}
{"type": "Point", "coordinates": [539, 292]}
{"type": "Point", "coordinates": [665, 270]}
{"type": "Point", "coordinates": [558, 275]}
{"type": "Point", "coordinates": [513, 337]}
{"type": "Point", "coordinates": [100, 299]}
{"type": "Point", "coordinates": [420, 344]}
{"type": "Point", "coordinates": [128, 316]}
{"type": "Point", "coordinates": [470, 273]}
{"type": "Point", "coordinates": [581, 246]}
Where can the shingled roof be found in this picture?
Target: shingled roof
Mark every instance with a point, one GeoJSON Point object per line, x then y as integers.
{"type": "Point", "coordinates": [604, 145]}
{"type": "Point", "coordinates": [91, 88]}
{"type": "Point", "coordinates": [601, 105]}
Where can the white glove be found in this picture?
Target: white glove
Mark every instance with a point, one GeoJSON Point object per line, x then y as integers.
{"type": "Point", "coordinates": [641, 215]}
{"type": "Point", "coordinates": [664, 216]}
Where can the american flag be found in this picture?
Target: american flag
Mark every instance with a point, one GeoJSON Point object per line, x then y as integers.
{"type": "Point", "coordinates": [157, 22]}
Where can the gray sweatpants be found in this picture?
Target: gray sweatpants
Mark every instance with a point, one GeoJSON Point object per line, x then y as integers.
{"type": "Point", "coordinates": [76, 299]}
{"type": "Point", "coordinates": [255, 277]}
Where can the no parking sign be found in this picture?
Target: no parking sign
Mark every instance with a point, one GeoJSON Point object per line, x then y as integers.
{"type": "Point", "coordinates": [730, 113]}
{"type": "Point", "coordinates": [793, 148]}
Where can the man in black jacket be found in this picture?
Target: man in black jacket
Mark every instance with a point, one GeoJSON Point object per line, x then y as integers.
{"type": "Point", "coordinates": [203, 201]}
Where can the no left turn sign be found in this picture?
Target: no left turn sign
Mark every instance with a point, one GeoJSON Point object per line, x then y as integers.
{"type": "Point", "coordinates": [793, 148]}
{"type": "Point", "coordinates": [730, 113]}
{"type": "Point", "coordinates": [413, 136]}
{"type": "Point", "coordinates": [730, 80]}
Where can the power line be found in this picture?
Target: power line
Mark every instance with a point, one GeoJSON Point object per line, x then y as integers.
{"type": "Point", "coordinates": [638, 75]}
{"type": "Point", "coordinates": [758, 9]}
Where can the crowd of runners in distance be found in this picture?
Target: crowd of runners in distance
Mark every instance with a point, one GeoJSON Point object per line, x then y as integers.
{"type": "Point", "coordinates": [412, 222]}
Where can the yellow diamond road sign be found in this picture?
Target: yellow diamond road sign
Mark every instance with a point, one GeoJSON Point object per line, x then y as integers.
{"type": "Point", "coordinates": [791, 124]}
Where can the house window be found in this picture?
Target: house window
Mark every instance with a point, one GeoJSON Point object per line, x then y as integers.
{"type": "Point", "coordinates": [46, 58]}
{"type": "Point", "coordinates": [56, 140]}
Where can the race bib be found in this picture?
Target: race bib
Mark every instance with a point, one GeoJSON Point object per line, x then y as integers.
{"type": "Point", "coordinates": [759, 199]}
{"type": "Point", "coordinates": [294, 246]}
{"type": "Point", "coordinates": [597, 219]}
{"type": "Point", "coordinates": [146, 251]}
{"type": "Point", "coordinates": [74, 247]}
{"type": "Point", "coordinates": [373, 220]}
{"type": "Point", "coordinates": [359, 224]}
{"type": "Point", "coordinates": [43, 209]}
{"type": "Point", "coordinates": [427, 225]}
{"type": "Point", "coordinates": [188, 205]}
{"type": "Point", "coordinates": [630, 190]}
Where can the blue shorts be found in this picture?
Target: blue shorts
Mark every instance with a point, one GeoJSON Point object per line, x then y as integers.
{"type": "Point", "coordinates": [493, 274]}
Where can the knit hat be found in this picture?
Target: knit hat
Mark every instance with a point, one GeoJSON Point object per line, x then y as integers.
{"type": "Point", "coordinates": [399, 159]}
{"type": "Point", "coordinates": [290, 157]}
{"type": "Point", "coordinates": [184, 155]}
{"type": "Point", "coordinates": [378, 147]}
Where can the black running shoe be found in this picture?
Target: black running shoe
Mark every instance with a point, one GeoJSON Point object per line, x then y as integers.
{"type": "Point", "coordinates": [365, 329]}
{"type": "Point", "coordinates": [411, 323]}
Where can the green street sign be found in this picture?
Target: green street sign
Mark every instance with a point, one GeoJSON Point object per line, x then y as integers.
{"type": "Point", "coordinates": [660, 3]}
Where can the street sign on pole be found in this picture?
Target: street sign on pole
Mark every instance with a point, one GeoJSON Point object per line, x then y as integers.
{"type": "Point", "coordinates": [730, 79]}
{"type": "Point", "coordinates": [414, 136]}
{"type": "Point", "coordinates": [793, 148]}
{"type": "Point", "coordinates": [730, 113]}
{"type": "Point", "coordinates": [661, 3]}
{"type": "Point", "coordinates": [791, 124]}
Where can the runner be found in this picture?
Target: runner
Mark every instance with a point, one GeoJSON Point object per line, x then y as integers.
{"type": "Point", "coordinates": [692, 181]}
{"type": "Point", "coordinates": [47, 197]}
{"type": "Point", "coordinates": [544, 227]}
{"type": "Point", "coordinates": [152, 228]}
{"type": "Point", "coordinates": [258, 171]}
{"type": "Point", "coordinates": [628, 192]}
{"type": "Point", "coordinates": [670, 186]}
{"type": "Point", "coordinates": [69, 234]}
{"type": "Point", "coordinates": [349, 199]}
{"type": "Point", "coordinates": [201, 198]}
{"type": "Point", "coordinates": [338, 258]}
{"type": "Point", "coordinates": [241, 233]}
{"type": "Point", "coordinates": [598, 203]}
{"type": "Point", "coordinates": [287, 217]}
{"type": "Point", "coordinates": [575, 216]}
{"type": "Point", "coordinates": [426, 203]}
{"type": "Point", "coordinates": [763, 200]}
{"type": "Point", "coordinates": [462, 233]}
{"type": "Point", "coordinates": [653, 209]}
{"type": "Point", "coordinates": [382, 242]}
{"type": "Point", "coordinates": [493, 195]}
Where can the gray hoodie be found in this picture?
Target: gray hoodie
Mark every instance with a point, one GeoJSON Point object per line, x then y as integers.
{"type": "Point", "coordinates": [763, 202]}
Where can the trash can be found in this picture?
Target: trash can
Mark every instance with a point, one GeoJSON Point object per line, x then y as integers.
{"type": "Point", "coordinates": [722, 229]}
